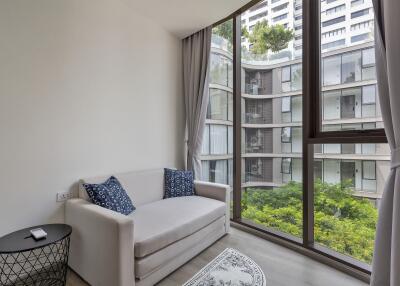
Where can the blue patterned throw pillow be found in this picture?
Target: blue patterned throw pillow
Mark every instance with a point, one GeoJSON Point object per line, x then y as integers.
{"type": "Point", "coordinates": [110, 195]}
{"type": "Point", "coordinates": [178, 183]}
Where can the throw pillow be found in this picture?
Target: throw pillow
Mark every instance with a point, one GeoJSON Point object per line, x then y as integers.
{"type": "Point", "coordinates": [110, 195]}
{"type": "Point", "coordinates": [178, 183]}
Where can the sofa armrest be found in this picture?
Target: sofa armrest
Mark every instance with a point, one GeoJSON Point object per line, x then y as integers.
{"type": "Point", "coordinates": [101, 249]}
{"type": "Point", "coordinates": [218, 192]}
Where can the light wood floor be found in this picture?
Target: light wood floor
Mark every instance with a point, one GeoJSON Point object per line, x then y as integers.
{"type": "Point", "coordinates": [282, 267]}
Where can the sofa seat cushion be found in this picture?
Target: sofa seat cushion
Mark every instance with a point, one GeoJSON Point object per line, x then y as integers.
{"type": "Point", "coordinates": [161, 223]}
{"type": "Point", "coordinates": [145, 266]}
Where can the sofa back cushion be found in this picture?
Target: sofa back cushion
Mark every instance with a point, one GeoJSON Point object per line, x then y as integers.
{"type": "Point", "coordinates": [111, 195]}
{"type": "Point", "coordinates": [142, 186]}
{"type": "Point", "coordinates": [178, 183]}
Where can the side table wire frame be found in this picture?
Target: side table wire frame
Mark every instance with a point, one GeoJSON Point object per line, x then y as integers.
{"type": "Point", "coordinates": [45, 266]}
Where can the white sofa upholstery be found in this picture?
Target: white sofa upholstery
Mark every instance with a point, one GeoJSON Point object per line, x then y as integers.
{"type": "Point", "coordinates": [108, 248]}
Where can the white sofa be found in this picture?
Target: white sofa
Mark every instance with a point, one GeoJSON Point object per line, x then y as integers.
{"type": "Point", "coordinates": [111, 249]}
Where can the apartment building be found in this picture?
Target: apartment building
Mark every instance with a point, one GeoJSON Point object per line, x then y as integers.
{"type": "Point", "coordinates": [343, 23]}
{"type": "Point", "coordinates": [271, 102]}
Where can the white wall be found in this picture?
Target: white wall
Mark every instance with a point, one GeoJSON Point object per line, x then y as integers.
{"type": "Point", "coordinates": [87, 87]}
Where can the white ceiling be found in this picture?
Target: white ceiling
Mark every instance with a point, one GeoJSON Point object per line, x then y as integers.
{"type": "Point", "coordinates": [184, 17]}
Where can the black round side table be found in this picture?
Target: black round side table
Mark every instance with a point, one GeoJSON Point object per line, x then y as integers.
{"type": "Point", "coordinates": [27, 262]}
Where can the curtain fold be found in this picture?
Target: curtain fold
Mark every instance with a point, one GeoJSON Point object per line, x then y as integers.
{"type": "Point", "coordinates": [196, 59]}
{"type": "Point", "coordinates": [386, 260]}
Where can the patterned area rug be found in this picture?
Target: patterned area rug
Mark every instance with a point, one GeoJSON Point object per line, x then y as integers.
{"type": "Point", "coordinates": [230, 268]}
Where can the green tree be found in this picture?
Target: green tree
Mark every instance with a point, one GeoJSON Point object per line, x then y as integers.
{"type": "Point", "coordinates": [224, 30]}
{"type": "Point", "coordinates": [264, 37]}
{"type": "Point", "coordinates": [342, 221]}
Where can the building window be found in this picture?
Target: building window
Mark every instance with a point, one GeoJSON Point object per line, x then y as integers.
{"type": "Point", "coordinates": [280, 7]}
{"type": "Point", "coordinates": [336, 9]}
{"type": "Point", "coordinates": [368, 95]}
{"type": "Point", "coordinates": [285, 73]}
{"type": "Point", "coordinates": [205, 148]}
{"type": "Point", "coordinates": [331, 70]}
{"type": "Point", "coordinates": [356, 3]}
{"type": "Point", "coordinates": [334, 21]}
{"type": "Point", "coordinates": [298, 27]}
{"type": "Point", "coordinates": [360, 13]}
{"type": "Point", "coordinates": [218, 139]}
{"type": "Point", "coordinates": [296, 77]}
{"type": "Point", "coordinates": [218, 104]}
{"type": "Point", "coordinates": [219, 171]}
{"type": "Point", "coordinates": [368, 64]}
{"type": "Point", "coordinates": [291, 78]}
{"type": "Point", "coordinates": [221, 70]}
{"type": "Point", "coordinates": [279, 18]}
{"type": "Point", "coordinates": [361, 37]}
{"type": "Point", "coordinates": [351, 67]}
{"type": "Point", "coordinates": [286, 104]}
{"type": "Point", "coordinates": [368, 57]}
{"type": "Point", "coordinates": [369, 170]}
{"type": "Point", "coordinates": [286, 135]}
{"type": "Point", "coordinates": [286, 166]}
{"type": "Point", "coordinates": [333, 44]}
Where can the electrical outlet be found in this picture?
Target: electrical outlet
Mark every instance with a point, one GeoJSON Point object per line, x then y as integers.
{"type": "Point", "coordinates": [63, 196]}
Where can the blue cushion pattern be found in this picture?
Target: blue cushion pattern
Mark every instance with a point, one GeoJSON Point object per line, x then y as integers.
{"type": "Point", "coordinates": [178, 183]}
{"type": "Point", "coordinates": [110, 195]}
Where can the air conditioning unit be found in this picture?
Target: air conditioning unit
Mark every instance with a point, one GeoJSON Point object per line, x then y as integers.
{"type": "Point", "coordinates": [256, 168]}
{"type": "Point", "coordinates": [255, 141]}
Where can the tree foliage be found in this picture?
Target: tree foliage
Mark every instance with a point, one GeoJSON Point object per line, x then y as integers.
{"type": "Point", "coordinates": [224, 30]}
{"type": "Point", "coordinates": [264, 37]}
{"type": "Point", "coordinates": [342, 221]}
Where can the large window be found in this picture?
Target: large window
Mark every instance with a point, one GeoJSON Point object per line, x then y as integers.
{"type": "Point", "coordinates": [310, 164]}
{"type": "Point", "coordinates": [271, 157]}
{"type": "Point", "coordinates": [217, 148]}
{"type": "Point", "coordinates": [354, 160]}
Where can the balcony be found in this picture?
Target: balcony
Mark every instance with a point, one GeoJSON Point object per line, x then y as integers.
{"type": "Point", "coordinates": [258, 170]}
{"type": "Point", "coordinates": [258, 111]}
{"type": "Point", "coordinates": [259, 140]}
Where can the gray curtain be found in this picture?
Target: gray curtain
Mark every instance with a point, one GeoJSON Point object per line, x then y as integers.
{"type": "Point", "coordinates": [196, 58]}
{"type": "Point", "coordinates": [386, 261]}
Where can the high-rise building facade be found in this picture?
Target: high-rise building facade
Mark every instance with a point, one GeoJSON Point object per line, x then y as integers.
{"type": "Point", "coordinates": [271, 100]}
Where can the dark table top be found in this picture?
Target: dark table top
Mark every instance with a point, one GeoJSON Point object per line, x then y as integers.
{"type": "Point", "coordinates": [22, 240]}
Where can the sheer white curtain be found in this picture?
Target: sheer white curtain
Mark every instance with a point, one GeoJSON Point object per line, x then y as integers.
{"type": "Point", "coordinates": [196, 59]}
{"type": "Point", "coordinates": [386, 261]}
